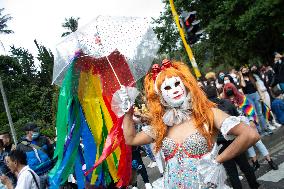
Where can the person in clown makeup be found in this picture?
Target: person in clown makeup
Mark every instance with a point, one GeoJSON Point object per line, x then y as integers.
{"type": "Point", "coordinates": [184, 125]}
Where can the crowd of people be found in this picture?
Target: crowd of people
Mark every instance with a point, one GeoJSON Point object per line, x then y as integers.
{"type": "Point", "coordinates": [253, 94]}
{"type": "Point", "coordinates": [26, 164]}
{"type": "Point", "coordinates": [179, 126]}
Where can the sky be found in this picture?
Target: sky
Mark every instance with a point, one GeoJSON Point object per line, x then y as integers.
{"type": "Point", "coordinates": [42, 19]}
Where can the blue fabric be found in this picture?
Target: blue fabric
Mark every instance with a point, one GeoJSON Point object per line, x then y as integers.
{"type": "Point", "coordinates": [79, 173]}
{"type": "Point", "coordinates": [277, 107]}
{"type": "Point", "coordinates": [33, 161]}
{"type": "Point", "coordinates": [90, 148]}
{"type": "Point", "coordinates": [67, 164]}
{"type": "Point", "coordinates": [261, 148]}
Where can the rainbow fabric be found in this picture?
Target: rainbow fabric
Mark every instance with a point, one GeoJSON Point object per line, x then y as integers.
{"type": "Point", "coordinates": [266, 112]}
{"type": "Point", "coordinates": [84, 118]}
{"type": "Point", "coordinates": [247, 108]}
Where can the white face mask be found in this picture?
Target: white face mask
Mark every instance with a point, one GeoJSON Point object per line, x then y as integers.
{"type": "Point", "coordinates": [226, 81]}
{"type": "Point", "coordinates": [173, 91]}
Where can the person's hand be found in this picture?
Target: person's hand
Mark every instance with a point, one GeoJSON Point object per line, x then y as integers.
{"type": "Point", "coordinates": [6, 181]}
{"type": "Point", "coordinates": [125, 106]}
{"type": "Point", "coordinates": [13, 147]}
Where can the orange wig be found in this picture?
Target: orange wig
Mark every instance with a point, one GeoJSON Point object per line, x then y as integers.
{"type": "Point", "coordinates": [201, 107]}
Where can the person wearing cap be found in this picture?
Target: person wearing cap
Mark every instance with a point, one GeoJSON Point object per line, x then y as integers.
{"type": "Point", "coordinates": [39, 151]}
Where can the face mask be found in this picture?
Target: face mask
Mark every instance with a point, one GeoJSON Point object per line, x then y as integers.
{"type": "Point", "coordinates": [35, 135]}
{"type": "Point", "coordinates": [227, 81]}
{"type": "Point", "coordinates": [229, 92]}
{"type": "Point", "coordinates": [245, 73]}
{"type": "Point", "coordinates": [173, 91]}
{"type": "Point", "coordinates": [222, 76]}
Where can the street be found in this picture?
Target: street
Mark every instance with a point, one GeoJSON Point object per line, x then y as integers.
{"type": "Point", "coordinates": [269, 179]}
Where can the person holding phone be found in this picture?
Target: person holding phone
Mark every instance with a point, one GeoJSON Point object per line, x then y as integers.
{"type": "Point", "coordinates": [17, 163]}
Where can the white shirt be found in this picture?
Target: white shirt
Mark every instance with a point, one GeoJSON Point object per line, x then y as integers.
{"type": "Point", "coordinates": [26, 180]}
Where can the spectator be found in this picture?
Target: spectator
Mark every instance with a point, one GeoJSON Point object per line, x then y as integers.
{"type": "Point", "coordinates": [240, 160]}
{"type": "Point", "coordinates": [211, 78]}
{"type": "Point", "coordinates": [5, 136]}
{"type": "Point", "coordinates": [139, 167]}
{"type": "Point", "coordinates": [234, 75]}
{"type": "Point", "coordinates": [278, 68]}
{"type": "Point", "coordinates": [264, 95]}
{"type": "Point", "coordinates": [278, 105]}
{"type": "Point", "coordinates": [247, 109]}
{"type": "Point", "coordinates": [248, 85]}
{"type": "Point", "coordinates": [38, 150]}
{"type": "Point", "coordinates": [17, 163]}
{"type": "Point", "coordinates": [3, 154]}
{"type": "Point", "coordinates": [3, 167]}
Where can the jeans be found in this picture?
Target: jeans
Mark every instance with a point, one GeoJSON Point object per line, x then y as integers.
{"type": "Point", "coordinates": [261, 148]}
{"type": "Point", "coordinates": [255, 99]}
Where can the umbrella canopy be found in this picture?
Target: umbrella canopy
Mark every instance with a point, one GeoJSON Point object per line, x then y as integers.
{"type": "Point", "coordinates": [129, 38]}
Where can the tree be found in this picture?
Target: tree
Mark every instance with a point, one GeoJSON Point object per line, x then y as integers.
{"type": "Point", "coordinates": [3, 22]}
{"type": "Point", "coordinates": [70, 24]}
{"type": "Point", "coordinates": [238, 32]}
{"type": "Point", "coordinates": [46, 60]}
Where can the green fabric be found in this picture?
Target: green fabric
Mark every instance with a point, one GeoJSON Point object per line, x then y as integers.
{"type": "Point", "coordinates": [76, 114]}
{"type": "Point", "coordinates": [64, 103]}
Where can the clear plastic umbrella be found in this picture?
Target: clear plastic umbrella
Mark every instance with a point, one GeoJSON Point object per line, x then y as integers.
{"type": "Point", "coordinates": [124, 47]}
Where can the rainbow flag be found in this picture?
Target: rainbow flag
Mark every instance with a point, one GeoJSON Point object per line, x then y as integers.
{"type": "Point", "coordinates": [266, 111]}
{"type": "Point", "coordinates": [247, 108]}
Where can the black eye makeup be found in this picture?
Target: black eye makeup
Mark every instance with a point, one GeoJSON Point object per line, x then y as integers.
{"type": "Point", "coordinates": [177, 83]}
{"type": "Point", "coordinates": [167, 88]}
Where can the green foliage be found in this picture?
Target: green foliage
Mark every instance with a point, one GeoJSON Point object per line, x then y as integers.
{"type": "Point", "coordinates": [3, 22]}
{"type": "Point", "coordinates": [29, 91]}
{"type": "Point", "coordinates": [71, 24]}
{"type": "Point", "coordinates": [238, 31]}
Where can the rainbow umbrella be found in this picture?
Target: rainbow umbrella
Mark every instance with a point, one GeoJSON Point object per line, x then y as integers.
{"type": "Point", "coordinates": [90, 66]}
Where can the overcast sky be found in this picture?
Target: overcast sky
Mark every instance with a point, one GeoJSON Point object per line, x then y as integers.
{"type": "Point", "coordinates": [42, 19]}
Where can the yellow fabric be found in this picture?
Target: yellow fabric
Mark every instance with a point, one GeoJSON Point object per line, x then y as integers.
{"type": "Point", "coordinates": [90, 96]}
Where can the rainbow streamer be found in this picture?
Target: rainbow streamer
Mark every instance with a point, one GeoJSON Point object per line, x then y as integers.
{"type": "Point", "coordinates": [84, 116]}
{"type": "Point", "coordinates": [247, 108]}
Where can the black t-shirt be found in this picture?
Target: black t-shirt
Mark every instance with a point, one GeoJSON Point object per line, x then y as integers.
{"type": "Point", "coordinates": [249, 88]}
{"type": "Point", "coordinates": [279, 73]}
{"type": "Point", "coordinates": [226, 106]}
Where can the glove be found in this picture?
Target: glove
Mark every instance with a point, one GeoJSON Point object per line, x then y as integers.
{"type": "Point", "coordinates": [123, 99]}
{"type": "Point", "coordinates": [210, 171]}
{"type": "Point", "coordinates": [125, 105]}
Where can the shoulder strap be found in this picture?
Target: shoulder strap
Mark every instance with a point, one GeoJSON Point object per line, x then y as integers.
{"type": "Point", "coordinates": [33, 146]}
{"type": "Point", "coordinates": [34, 179]}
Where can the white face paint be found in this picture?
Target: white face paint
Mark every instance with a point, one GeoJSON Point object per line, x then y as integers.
{"type": "Point", "coordinates": [173, 91]}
